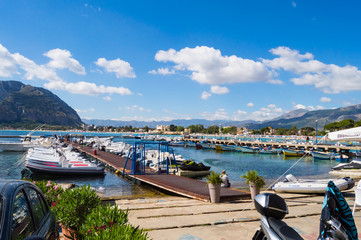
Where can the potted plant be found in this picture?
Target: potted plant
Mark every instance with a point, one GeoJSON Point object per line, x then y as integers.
{"type": "Point", "coordinates": [73, 207]}
{"type": "Point", "coordinates": [254, 181]}
{"type": "Point", "coordinates": [214, 181]}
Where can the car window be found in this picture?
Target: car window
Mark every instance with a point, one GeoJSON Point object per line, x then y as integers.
{"type": "Point", "coordinates": [38, 206]}
{"type": "Point", "coordinates": [22, 225]}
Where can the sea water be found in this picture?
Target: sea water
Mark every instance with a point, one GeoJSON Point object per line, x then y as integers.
{"type": "Point", "coordinates": [236, 164]}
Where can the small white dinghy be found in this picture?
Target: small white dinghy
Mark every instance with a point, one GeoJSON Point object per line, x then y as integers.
{"type": "Point", "coordinates": [294, 185]}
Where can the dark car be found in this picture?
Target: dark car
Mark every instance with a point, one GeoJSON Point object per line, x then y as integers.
{"type": "Point", "coordinates": [24, 213]}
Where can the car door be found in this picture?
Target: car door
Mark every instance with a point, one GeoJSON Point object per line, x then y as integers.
{"type": "Point", "coordinates": [22, 224]}
{"type": "Point", "coordinates": [43, 217]}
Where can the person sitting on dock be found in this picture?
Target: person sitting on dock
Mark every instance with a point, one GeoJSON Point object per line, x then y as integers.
{"type": "Point", "coordinates": [225, 179]}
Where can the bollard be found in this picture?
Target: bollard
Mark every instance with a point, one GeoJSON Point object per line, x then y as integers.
{"type": "Point", "coordinates": [95, 152]}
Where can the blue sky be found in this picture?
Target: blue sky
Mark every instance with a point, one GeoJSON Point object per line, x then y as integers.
{"type": "Point", "coordinates": [164, 60]}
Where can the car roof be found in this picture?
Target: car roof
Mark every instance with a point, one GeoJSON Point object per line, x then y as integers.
{"type": "Point", "coordinates": [10, 183]}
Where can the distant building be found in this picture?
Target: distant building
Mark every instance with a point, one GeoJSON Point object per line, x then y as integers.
{"type": "Point", "coordinates": [162, 128]}
{"type": "Point", "coordinates": [242, 131]}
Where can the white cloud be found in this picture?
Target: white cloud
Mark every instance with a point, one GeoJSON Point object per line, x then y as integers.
{"type": "Point", "coordinates": [275, 82]}
{"type": "Point", "coordinates": [208, 66]}
{"type": "Point", "coordinates": [85, 110]}
{"type": "Point", "coordinates": [325, 99]}
{"type": "Point", "coordinates": [107, 98]}
{"type": "Point", "coordinates": [86, 88]}
{"type": "Point", "coordinates": [119, 67]}
{"type": "Point", "coordinates": [294, 4]}
{"type": "Point", "coordinates": [162, 71]}
{"type": "Point", "coordinates": [8, 65]}
{"type": "Point", "coordinates": [329, 78]}
{"type": "Point", "coordinates": [250, 104]}
{"type": "Point", "coordinates": [62, 59]}
{"type": "Point", "coordinates": [219, 90]}
{"type": "Point", "coordinates": [309, 108]}
{"type": "Point", "coordinates": [220, 114]}
{"type": "Point", "coordinates": [205, 95]}
{"type": "Point", "coordinates": [266, 113]}
{"type": "Point", "coordinates": [134, 108]}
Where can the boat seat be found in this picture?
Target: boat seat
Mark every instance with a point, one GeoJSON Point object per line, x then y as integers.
{"type": "Point", "coordinates": [283, 230]}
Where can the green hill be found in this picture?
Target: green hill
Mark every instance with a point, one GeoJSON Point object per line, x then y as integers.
{"type": "Point", "coordinates": [20, 103]}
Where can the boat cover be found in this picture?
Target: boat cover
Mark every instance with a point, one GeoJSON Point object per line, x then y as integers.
{"type": "Point", "coordinates": [336, 217]}
{"type": "Point", "coordinates": [351, 134]}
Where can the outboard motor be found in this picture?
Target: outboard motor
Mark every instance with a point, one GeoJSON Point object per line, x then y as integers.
{"type": "Point", "coordinates": [273, 209]}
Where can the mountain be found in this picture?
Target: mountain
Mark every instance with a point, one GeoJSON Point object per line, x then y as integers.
{"type": "Point", "coordinates": [308, 118]}
{"type": "Point", "coordinates": [153, 124]}
{"type": "Point", "coordinates": [292, 114]}
{"type": "Point", "coordinates": [20, 103]}
{"type": "Point", "coordinates": [299, 118]}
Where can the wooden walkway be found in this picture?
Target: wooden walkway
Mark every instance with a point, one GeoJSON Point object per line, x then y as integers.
{"type": "Point", "coordinates": [184, 186]}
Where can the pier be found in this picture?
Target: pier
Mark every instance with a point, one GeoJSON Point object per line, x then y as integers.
{"type": "Point", "coordinates": [183, 186]}
{"type": "Point", "coordinates": [306, 146]}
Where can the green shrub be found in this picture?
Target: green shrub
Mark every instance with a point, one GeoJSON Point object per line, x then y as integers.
{"type": "Point", "coordinates": [109, 222]}
{"type": "Point", "coordinates": [119, 232]}
{"type": "Point", "coordinates": [74, 206]}
{"type": "Point", "coordinates": [52, 192]}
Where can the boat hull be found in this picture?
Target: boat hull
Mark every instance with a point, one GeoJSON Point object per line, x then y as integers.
{"type": "Point", "coordinates": [64, 170]}
{"type": "Point", "coordinates": [312, 186]}
{"type": "Point", "coordinates": [246, 149]}
{"type": "Point", "coordinates": [292, 153]}
{"type": "Point", "coordinates": [321, 156]}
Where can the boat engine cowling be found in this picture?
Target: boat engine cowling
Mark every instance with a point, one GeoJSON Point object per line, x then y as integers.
{"type": "Point", "coordinates": [271, 205]}
{"type": "Point", "coordinates": [291, 178]}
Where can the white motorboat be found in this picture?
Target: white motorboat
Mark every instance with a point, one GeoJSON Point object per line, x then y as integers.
{"type": "Point", "coordinates": [19, 146]}
{"type": "Point", "coordinates": [294, 185]}
{"type": "Point", "coordinates": [60, 161]}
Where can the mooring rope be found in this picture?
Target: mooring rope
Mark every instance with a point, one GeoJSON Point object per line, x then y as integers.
{"type": "Point", "coordinates": [249, 204]}
{"type": "Point", "coordinates": [17, 163]}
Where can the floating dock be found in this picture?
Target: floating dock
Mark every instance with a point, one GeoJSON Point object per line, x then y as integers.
{"type": "Point", "coordinates": [180, 185]}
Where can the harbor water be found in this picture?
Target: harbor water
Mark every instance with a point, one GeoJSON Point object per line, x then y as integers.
{"type": "Point", "coordinates": [236, 164]}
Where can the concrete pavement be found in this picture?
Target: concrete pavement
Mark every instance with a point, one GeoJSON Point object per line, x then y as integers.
{"type": "Point", "coordinates": [187, 219]}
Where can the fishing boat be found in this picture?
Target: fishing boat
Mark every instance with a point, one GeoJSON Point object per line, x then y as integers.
{"type": "Point", "coordinates": [199, 146]}
{"type": "Point", "coordinates": [269, 151]}
{"type": "Point", "coordinates": [60, 161]}
{"type": "Point", "coordinates": [190, 144]}
{"type": "Point", "coordinates": [223, 147]}
{"type": "Point", "coordinates": [293, 153]}
{"type": "Point", "coordinates": [218, 147]}
{"type": "Point", "coordinates": [131, 136]}
{"type": "Point", "coordinates": [207, 145]}
{"type": "Point", "coordinates": [293, 185]}
{"type": "Point", "coordinates": [322, 155]}
{"type": "Point", "coordinates": [176, 144]}
{"type": "Point", "coordinates": [246, 149]}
